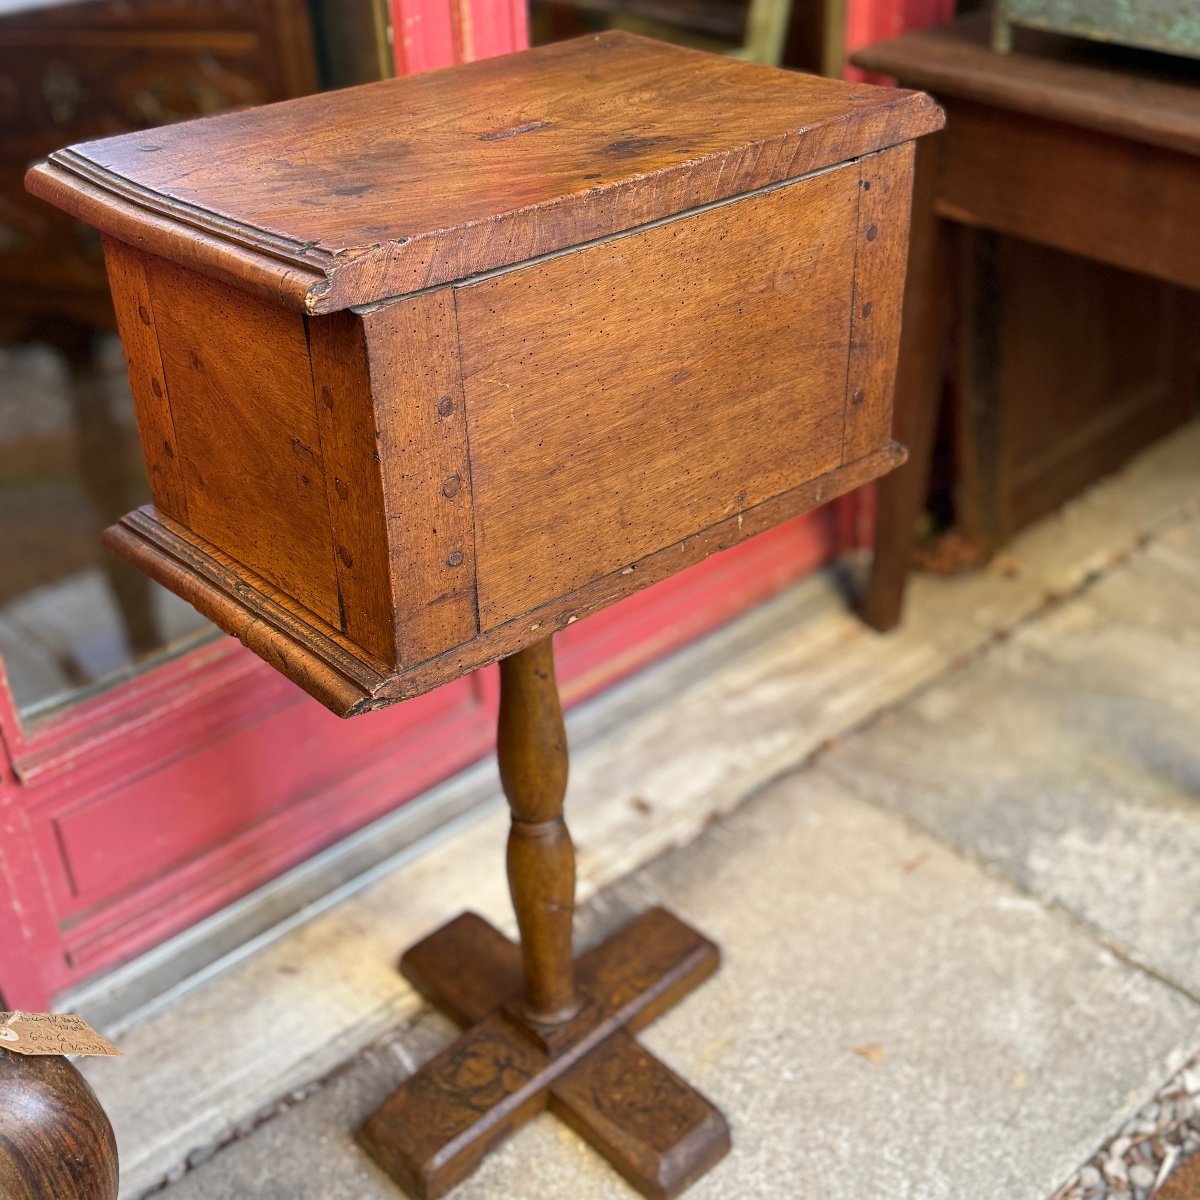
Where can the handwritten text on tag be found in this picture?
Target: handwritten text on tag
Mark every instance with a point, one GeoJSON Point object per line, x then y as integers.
{"type": "Point", "coordinates": [51, 1033]}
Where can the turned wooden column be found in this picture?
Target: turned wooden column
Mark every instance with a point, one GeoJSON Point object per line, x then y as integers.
{"type": "Point", "coordinates": [532, 752]}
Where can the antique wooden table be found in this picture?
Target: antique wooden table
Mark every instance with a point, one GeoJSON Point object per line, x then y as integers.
{"type": "Point", "coordinates": [1086, 149]}
{"type": "Point", "coordinates": [429, 369]}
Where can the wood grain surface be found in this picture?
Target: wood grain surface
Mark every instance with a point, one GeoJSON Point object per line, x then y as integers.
{"type": "Point", "coordinates": [1064, 147]}
{"type": "Point", "coordinates": [147, 380]}
{"type": "Point", "coordinates": [654, 1128]}
{"type": "Point", "coordinates": [411, 490]}
{"type": "Point", "coordinates": [627, 394]}
{"type": "Point", "coordinates": [1094, 194]}
{"type": "Point", "coordinates": [241, 398]}
{"type": "Point", "coordinates": [532, 753]}
{"type": "Point", "coordinates": [55, 1141]}
{"type": "Point", "coordinates": [326, 664]}
{"type": "Point", "coordinates": [349, 197]}
{"type": "Point", "coordinates": [422, 442]}
{"type": "Point", "coordinates": [919, 370]}
{"type": "Point", "coordinates": [353, 481]}
{"type": "Point", "coordinates": [570, 320]}
{"type": "Point", "coordinates": [884, 205]}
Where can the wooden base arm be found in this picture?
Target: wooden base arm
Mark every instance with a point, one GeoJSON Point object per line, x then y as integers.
{"type": "Point", "coordinates": [654, 1128]}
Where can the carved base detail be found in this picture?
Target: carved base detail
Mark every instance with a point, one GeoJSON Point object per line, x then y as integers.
{"type": "Point", "coordinates": [654, 1128]}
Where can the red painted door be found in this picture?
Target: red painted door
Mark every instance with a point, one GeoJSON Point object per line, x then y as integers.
{"type": "Point", "coordinates": [869, 21]}
{"type": "Point", "coordinates": [129, 814]}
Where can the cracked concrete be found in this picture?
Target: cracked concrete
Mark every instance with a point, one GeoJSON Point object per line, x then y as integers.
{"type": "Point", "coordinates": [1068, 759]}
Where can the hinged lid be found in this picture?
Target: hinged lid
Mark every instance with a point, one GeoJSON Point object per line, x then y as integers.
{"type": "Point", "coordinates": [351, 197]}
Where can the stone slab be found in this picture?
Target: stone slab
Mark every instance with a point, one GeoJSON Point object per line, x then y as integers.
{"type": "Point", "coordinates": [1069, 757]}
{"type": "Point", "coordinates": [890, 1021]}
{"type": "Point", "coordinates": [711, 725]}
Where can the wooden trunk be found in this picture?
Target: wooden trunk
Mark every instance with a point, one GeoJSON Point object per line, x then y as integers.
{"type": "Point", "coordinates": [429, 369]}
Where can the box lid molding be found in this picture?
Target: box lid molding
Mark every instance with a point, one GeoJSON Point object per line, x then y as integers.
{"type": "Point", "coordinates": [638, 181]}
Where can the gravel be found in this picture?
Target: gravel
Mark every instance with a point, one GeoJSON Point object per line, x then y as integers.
{"type": "Point", "coordinates": [1147, 1149]}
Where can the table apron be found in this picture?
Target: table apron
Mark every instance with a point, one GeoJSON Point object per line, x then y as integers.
{"type": "Point", "coordinates": [1117, 201]}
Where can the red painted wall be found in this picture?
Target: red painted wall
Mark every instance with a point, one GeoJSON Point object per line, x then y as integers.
{"type": "Point", "coordinates": [869, 21]}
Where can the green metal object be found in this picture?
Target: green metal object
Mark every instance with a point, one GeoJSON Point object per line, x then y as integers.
{"type": "Point", "coordinates": [1169, 25]}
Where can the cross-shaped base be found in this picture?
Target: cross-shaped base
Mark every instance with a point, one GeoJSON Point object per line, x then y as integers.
{"type": "Point", "coordinates": [659, 1132]}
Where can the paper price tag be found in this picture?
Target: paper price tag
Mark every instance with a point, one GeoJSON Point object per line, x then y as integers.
{"type": "Point", "coordinates": [51, 1033]}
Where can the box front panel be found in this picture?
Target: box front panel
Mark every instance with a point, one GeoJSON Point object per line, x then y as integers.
{"type": "Point", "coordinates": [625, 395]}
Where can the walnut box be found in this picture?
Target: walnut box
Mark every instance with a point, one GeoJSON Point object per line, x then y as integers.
{"type": "Point", "coordinates": [426, 370]}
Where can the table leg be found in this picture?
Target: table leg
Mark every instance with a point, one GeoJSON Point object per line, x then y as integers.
{"type": "Point", "coordinates": [544, 1029]}
{"type": "Point", "coordinates": [112, 480]}
{"type": "Point", "coordinates": [919, 379]}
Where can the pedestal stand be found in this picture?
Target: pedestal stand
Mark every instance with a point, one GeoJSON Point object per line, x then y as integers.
{"type": "Point", "coordinates": [545, 1030]}
{"type": "Point", "coordinates": [426, 370]}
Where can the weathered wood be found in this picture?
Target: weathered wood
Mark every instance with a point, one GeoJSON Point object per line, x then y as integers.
{"type": "Point", "coordinates": [240, 391]}
{"type": "Point", "coordinates": [920, 373]}
{"type": "Point", "coordinates": [540, 361]}
{"type": "Point", "coordinates": [55, 1139]}
{"type": "Point", "coordinates": [532, 362]}
{"type": "Point", "coordinates": [653, 1127]}
{"type": "Point", "coordinates": [314, 655]}
{"type": "Point", "coordinates": [88, 68]}
{"type": "Point", "coordinates": [1172, 26]}
{"type": "Point", "coordinates": [1110, 347]}
{"type": "Point", "coordinates": [879, 269]}
{"type": "Point", "coordinates": [468, 968]}
{"type": "Point", "coordinates": [437, 1128]}
{"type": "Point", "coordinates": [422, 441]}
{"type": "Point", "coordinates": [1145, 98]}
{"type": "Point", "coordinates": [537, 1036]}
{"type": "Point", "coordinates": [147, 381]}
{"type": "Point", "coordinates": [353, 481]}
{"type": "Point", "coordinates": [656, 1130]}
{"type": "Point", "coordinates": [1073, 148]}
{"type": "Point", "coordinates": [416, 181]}
{"type": "Point", "coordinates": [1069, 188]}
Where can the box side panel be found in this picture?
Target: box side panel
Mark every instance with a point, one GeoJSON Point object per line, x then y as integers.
{"type": "Point", "coordinates": [135, 321]}
{"type": "Point", "coordinates": [241, 398]}
{"type": "Point", "coordinates": [884, 209]}
{"type": "Point", "coordinates": [353, 481]}
{"type": "Point", "coordinates": [629, 394]}
{"type": "Point", "coordinates": [417, 385]}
